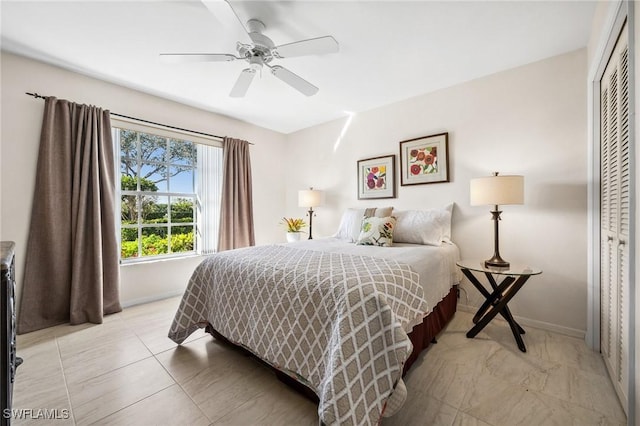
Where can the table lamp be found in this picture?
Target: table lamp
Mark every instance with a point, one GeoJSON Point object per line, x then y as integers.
{"type": "Point", "coordinates": [497, 190]}
{"type": "Point", "coordinates": [310, 198]}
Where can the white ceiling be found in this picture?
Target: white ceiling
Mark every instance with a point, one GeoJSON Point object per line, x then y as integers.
{"type": "Point", "coordinates": [389, 50]}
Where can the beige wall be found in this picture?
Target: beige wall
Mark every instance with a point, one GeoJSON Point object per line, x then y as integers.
{"type": "Point", "coordinates": [21, 120]}
{"type": "Point", "coordinates": [529, 120]}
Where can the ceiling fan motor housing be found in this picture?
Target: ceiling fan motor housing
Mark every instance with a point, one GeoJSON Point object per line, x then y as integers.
{"type": "Point", "coordinates": [256, 26]}
{"type": "Point", "coordinates": [260, 51]}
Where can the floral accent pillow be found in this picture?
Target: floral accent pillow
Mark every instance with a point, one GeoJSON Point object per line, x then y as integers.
{"type": "Point", "coordinates": [351, 222]}
{"type": "Point", "coordinates": [377, 231]}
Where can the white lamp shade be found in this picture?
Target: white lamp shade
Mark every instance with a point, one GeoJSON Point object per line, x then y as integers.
{"type": "Point", "coordinates": [309, 198]}
{"type": "Point", "coordinates": [497, 190]}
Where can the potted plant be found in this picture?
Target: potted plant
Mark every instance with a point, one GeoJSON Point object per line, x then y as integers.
{"type": "Point", "coordinates": [294, 228]}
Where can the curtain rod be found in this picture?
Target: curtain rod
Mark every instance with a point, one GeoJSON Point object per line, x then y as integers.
{"type": "Point", "coordinates": [37, 96]}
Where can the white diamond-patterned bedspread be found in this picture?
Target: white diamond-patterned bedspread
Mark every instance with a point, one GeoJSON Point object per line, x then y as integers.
{"type": "Point", "coordinates": [335, 322]}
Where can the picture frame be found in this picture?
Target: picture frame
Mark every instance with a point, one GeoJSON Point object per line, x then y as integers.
{"type": "Point", "coordinates": [419, 165]}
{"type": "Point", "coordinates": [377, 178]}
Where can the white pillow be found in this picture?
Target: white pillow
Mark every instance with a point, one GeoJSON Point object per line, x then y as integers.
{"type": "Point", "coordinates": [349, 228]}
{"type": "Point", "coordinates": [350, 224]}
{"type": "Point", "coordinates": [447, 230]}
{"type": "Point", "coordinates": [377, 231]}
{"type": "Point", "coordinates": [431, 227]}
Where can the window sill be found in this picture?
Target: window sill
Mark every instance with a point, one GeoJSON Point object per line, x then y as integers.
{"type": "Point", "coordinates": [145, 261]}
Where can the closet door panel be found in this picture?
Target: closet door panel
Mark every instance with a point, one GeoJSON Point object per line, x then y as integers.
{"type": "Point", "coordinates": [615, 219]}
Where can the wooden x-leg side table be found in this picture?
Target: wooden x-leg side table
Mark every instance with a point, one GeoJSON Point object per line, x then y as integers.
{"type": "Point", "coordinates": [496, 300]}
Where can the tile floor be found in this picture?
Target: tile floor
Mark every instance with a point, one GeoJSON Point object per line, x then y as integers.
{"type": "Point", "coordinates": [127, 372]}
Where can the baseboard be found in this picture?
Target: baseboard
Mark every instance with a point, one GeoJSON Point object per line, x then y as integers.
{"type": "Point", "coordinates": [149, 299]}
{"type": "Point", "coordinates": [567, 331]}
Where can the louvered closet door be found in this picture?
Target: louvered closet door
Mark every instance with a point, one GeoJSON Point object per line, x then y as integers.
{"type": "Point", "coordinates": [614, 231]}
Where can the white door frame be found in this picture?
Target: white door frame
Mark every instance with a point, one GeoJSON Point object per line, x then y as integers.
{"type": "Point", "coordinates": [618, 13]}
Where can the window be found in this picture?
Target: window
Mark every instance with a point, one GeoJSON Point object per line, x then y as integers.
{"type": "Point", "coordinates": [169, 194]}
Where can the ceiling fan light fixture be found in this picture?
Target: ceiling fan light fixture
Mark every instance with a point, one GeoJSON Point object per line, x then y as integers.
{"type": "Point", "coordinates": [256, 63]}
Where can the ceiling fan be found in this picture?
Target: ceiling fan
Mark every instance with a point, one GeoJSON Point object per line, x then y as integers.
{"type": "Point", "coordinates": [258, 50]}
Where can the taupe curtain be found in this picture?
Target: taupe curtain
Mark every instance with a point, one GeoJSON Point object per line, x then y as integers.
{"type": "Point", "coordinates": [236, 212]}
{"type": "Point", "coordinates": [71, 271]}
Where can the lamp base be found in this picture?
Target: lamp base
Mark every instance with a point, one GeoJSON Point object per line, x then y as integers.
{"type": "Point", "coordinates": [496, 262]}
{"type": "Point", "coordinates": [310, 213]}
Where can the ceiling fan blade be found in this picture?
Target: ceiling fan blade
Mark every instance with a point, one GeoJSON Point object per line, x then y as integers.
{"type": "Point", "coordinates": [312, 46]}
{"type": "Point", "coordinates": [242, 83]}
{"type": "Point", "coordinates": [223, 11]}
{"type": "Point", "coordinates": [182, 58]}
{"type": "Point", "coordinates": [294, 80]}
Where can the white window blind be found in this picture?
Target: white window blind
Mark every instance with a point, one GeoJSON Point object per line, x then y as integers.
{"type": "Point", "coordinates": [209, 194]}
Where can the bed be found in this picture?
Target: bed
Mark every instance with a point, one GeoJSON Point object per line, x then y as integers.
{"type": "Point", "coordinates": [344, 320]}
{"type": "Point", "coordinates": [438, 274]}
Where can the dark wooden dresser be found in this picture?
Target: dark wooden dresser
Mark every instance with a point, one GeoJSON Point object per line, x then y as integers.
{"type": "Point", "coordinates": [8, 328]}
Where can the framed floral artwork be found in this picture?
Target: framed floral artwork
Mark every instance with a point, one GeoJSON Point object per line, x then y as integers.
{"type": "Point", "coordinates": [424, 160]}
{"type": "Point", "coordinates": [377, 178]}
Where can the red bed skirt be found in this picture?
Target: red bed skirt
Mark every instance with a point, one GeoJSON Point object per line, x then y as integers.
{"type": "Point", "coordinates": [423, 334]}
